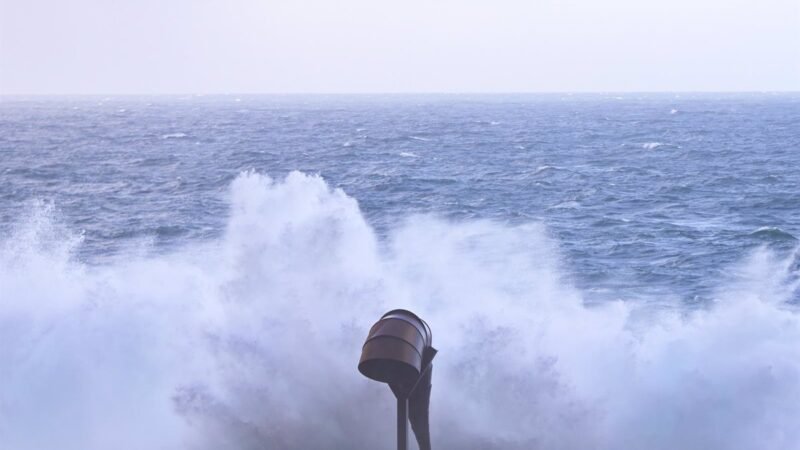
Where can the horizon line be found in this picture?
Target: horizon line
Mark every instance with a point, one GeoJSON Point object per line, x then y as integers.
{"type": "Point", "coordinates": [399, 93]}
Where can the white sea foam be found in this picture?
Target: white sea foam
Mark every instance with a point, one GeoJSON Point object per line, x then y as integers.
{"type": "Point", "coordinates": [673, 111]}
{"type": "Point", "coordinates": [417, 138]}
{"type": "Point", "coordinates": [251, 341]}
{"type": "Point", "coordinates": [652, 145]}
{"type": "Point", "coordinates": [409, 155]}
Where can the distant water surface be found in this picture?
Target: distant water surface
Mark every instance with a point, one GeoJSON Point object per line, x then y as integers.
{"type": "Point", "coordinates": [643, 193]}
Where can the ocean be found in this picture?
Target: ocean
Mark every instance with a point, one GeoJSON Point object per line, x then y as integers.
{"type": "Point", "coordinates": [599, 271]}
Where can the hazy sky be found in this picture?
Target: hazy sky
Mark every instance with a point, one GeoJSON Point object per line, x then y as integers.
{"type": "Point", "coordinates": [249, 46]}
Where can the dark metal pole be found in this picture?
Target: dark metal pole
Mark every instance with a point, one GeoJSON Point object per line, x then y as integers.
{"type": "Point", "coordinates": [402, 423]}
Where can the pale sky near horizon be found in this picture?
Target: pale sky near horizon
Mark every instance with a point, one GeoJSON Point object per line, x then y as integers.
{"type": "Point", "coordinates": [345, 46]}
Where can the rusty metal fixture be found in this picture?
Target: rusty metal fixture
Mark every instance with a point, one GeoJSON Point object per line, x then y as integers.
{"type": "Point", "coordinates": [398, 351]}
{"type": "Point", "coordinates": [394, 349]}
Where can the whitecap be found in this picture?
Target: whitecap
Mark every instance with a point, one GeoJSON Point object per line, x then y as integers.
{"type": "Point", "coordinates": [652, 145]}
{"type": "Point", "coordinates": [417, 138]}
{"type": "Point", "coordinates": [409, 155]}
{"type": "Point", "coordinates": [173, 136]}
{"type": "Point", "coordinates": [759, 230]}
{"type": "Point", "coordinates": [773, 233]}
{"type": "Point", "coordinates": [541, 169]}
{"type": "Point", "coordinates": [570, 204]}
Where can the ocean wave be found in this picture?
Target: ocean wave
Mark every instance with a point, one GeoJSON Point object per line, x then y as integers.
{"type": "Point", "coordinates": [570, 204]}
{"type": "Point", "coordinates": [252, 340]}
{"type": "Point", "coordinates": [773, 234]}
{"type": "Point", "coordinates": [610, 222]}
{"type": "Point", "coordinates": [652, 145]}
{"type": "Point", "coordinates": [173, 136]}
{"type": "Point", "coordinates": [544, 168]}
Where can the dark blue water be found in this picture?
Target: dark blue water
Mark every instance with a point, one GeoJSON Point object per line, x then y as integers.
{"type": "Point", "coordinates": [599, 271]}
{"type": "Point", "coordinates": [643, 192]}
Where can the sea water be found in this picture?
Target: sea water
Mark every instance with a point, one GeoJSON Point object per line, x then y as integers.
{"type": "Point", "coordinates": [599, 271]}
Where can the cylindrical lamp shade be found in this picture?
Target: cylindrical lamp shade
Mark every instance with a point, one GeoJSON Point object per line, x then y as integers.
{"type": "Point", "coordinates": [394, 348]}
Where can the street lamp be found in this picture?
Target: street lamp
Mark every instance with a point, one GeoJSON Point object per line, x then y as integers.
{"type": "Point", "coordinates": [398, 352]}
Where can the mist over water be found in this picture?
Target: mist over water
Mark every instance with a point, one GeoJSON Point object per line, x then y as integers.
{"type": "Point", "coordinates": [250, 340]}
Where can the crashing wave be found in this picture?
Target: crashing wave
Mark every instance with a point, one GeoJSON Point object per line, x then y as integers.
{"type": "Point", "coordinates": [252, 340]}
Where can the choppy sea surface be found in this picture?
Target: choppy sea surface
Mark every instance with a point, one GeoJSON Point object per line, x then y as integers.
{"type": "Point", "coordinates": [599, 271]}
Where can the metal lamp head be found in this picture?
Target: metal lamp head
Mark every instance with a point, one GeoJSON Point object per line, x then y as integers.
{"type": "Point", "coordinates": [395, 349]}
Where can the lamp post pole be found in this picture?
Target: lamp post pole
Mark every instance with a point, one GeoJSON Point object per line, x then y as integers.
{"type": "Point", "coordinates": [402, 423]}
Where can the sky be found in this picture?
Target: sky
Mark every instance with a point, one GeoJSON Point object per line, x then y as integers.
{"type": "Point", "coordinates": [374, 46]}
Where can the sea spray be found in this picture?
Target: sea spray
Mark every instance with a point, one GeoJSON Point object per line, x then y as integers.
{"type": "Point", "coordinates": [251, 340]}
